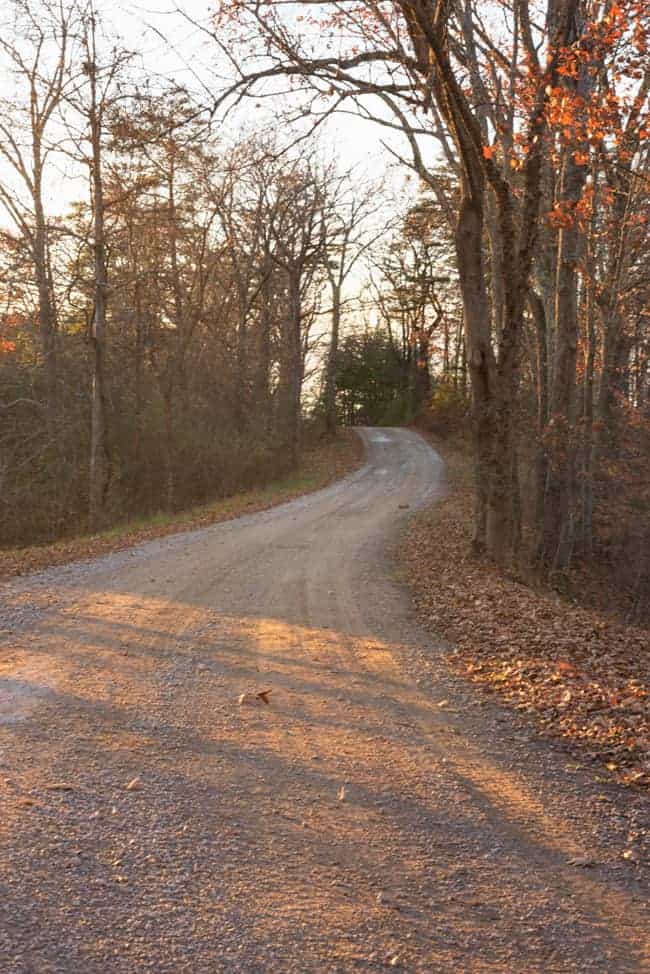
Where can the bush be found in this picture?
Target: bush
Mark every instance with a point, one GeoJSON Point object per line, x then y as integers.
{"type": "Point", "coordinates": [447, 411]}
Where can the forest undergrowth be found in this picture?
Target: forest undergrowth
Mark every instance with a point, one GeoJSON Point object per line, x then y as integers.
{"type": "Point", "coordinates": [322, 462]}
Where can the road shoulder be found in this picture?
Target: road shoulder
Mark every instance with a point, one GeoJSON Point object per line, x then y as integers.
{"type": "Point", "coordinates": [321, 466]}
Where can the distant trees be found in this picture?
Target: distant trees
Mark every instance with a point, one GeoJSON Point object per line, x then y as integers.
{"type": "Point", "coordinates": [356, 226]}
{"type": "Point", "coordinates": [372, 379]}
{"type": "Point", "coordinates": [411, 340]}
{"type": "Point", "coordinates": [414, 292]}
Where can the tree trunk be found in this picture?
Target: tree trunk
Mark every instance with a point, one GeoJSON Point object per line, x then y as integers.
{"type": "Point", "coordinates": [100, 462]}
{"type": "Point", "coordinates": [560, 505]}
{"type": "Point", "coordinates": [538, 312]}
{"type": "Point", "coordinates": [241, 402]}
{"type": "Point", "coordinates": [588, 427]}
{"type": "Point", "coordinates": [560, 496]}
{"type": "Point", "coordinates": [423, 375]}
{"type": "Point", "coordinates": [296, 372]}
{"type": "Point", "coordinates": [480, 356]}
{"type": "Point", "coordinates": [139, 373]}
{"type": "Point", "coordinates": [46, 312]}
{"type": "Point", "coordinates": [170, 483]}
{"type": "Point", "coordinates": [290, 385]}
{"type": "Point", "coordinates": [332, 358]}
{"type": "Point", "coordinates": [502, 503]}
{"type": "Point", "coordinates": [263, 363]}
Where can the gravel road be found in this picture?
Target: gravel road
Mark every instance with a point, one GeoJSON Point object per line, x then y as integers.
{"type": "Point", "coordinates": [373, 814]}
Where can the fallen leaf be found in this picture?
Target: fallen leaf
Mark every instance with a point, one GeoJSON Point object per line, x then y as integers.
{"type": "Point", "coordinates": [565, 667]}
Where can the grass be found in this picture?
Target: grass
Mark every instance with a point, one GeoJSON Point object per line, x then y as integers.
{"type": "Point", "coordinates": [320, 465]}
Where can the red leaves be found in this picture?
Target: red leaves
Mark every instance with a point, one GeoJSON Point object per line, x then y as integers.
{"type": "Point", "coordinates": [560, 217]}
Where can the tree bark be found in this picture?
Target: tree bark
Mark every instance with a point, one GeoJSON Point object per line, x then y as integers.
{"type": "Point", "coordinates": [46, 311]}
{"type": "Point", "coordinates": [560, 495]}
{"type": "Point", "coordinates": [332, 359]}
{"type": "Point", "coordinates": [100, 461]}
{"type": "Point", "coordinates": [538, 313]}
{"type": "Point", "coordinates": [296, 370]}
{"type": "Point", "coordinates": [480, 356]}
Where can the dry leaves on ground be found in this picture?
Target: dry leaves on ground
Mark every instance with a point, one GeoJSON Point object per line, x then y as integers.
{"type": "Point", "coordinates": [576, 673]}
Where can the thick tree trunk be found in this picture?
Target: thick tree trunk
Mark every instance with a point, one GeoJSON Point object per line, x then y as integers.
{"type": "Point", "coordinates": [480, 356]}
{"type": "Point", "coordinates": [560, 503]}
{"type": "Point", "coordinates": [503, 498]}
{"type": "Point", "coordinates": [559, 534]}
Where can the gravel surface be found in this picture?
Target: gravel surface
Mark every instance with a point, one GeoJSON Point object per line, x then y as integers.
{"type": "Point", "coordinates": [157, 815]}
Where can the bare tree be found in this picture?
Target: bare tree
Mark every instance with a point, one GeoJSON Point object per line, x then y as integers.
{"type": "Point", "coordinates": [94, 96]}
{"type": "Point", "coordinates": [297, 218]}
{"type": "Point", "coordinates": [352, 213]}
{"type": "Point", "coordinates": [39, 44]}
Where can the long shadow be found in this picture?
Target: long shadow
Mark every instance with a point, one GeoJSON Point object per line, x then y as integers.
{"type": "Point", "coordinates": [212, 779]}
{"type": "Point", "coordinates": [410, 818]}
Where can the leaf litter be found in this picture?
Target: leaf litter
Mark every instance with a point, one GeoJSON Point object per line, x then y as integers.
{"type": "Point", "coordinates": [578, 674]}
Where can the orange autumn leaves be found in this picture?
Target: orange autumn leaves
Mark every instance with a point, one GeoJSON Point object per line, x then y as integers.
{"type": "Point", "coordinates": [596, 107]}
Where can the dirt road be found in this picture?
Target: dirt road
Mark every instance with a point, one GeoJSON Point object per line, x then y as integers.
{"type": "Point", "coordinates": [372, 815]}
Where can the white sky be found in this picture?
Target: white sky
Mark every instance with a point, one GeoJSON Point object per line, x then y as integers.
{"type": "Point", "coordinates": [171, 47]}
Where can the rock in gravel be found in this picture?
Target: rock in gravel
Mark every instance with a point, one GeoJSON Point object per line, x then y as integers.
{"type": "Point", "coordinates": [384, 900]}
{"type": "Point", "coordinates": [135, 784]}
{"type": "Point", "coordinates": [252, 698]}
